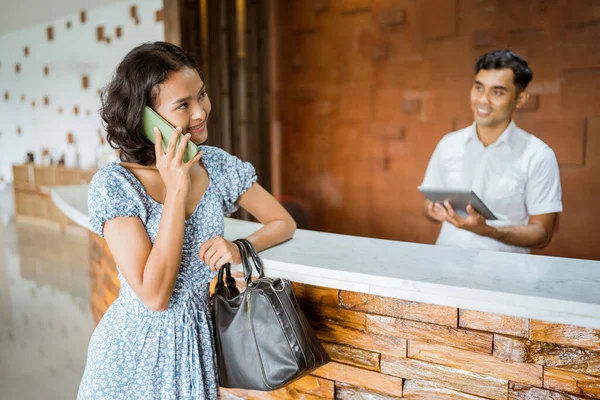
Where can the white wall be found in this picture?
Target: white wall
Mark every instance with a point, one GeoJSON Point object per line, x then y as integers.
{"type": "Point", "coordinates": [72, 53]}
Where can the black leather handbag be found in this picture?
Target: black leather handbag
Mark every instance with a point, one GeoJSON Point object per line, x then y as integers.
{"type": "Point", "coordinates": [263, 340]}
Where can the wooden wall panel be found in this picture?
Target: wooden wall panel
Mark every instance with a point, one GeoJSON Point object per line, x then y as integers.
{"type": "Point", "coordinates": [350, 70]}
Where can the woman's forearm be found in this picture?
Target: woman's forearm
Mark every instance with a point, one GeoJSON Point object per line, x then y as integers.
{"type": "Point", "coordinates": [273, 233]}
{"type": "Point", "coordinates": [162, 266]}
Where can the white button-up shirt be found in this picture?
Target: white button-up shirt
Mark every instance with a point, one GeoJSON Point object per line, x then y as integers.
{"type": "Point", "coordinates": [516, 176]}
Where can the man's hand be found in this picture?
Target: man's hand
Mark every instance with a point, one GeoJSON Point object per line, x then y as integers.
{"type": "Point", "coordinates": [474, 222]}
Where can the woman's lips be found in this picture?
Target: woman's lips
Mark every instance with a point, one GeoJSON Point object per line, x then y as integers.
{"type": "Point", "coordinates": [198, 128]}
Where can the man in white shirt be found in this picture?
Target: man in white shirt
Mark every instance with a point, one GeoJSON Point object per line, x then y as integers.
{"type": "Point", "coordinates": [513, 172]}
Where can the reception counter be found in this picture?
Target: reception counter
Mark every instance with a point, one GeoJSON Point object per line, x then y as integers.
{"type": "Point", "coordinates": [406, 320]}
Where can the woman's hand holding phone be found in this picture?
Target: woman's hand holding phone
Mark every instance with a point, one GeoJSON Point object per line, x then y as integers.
{"type": "Point", "coordinates": [173, 171]}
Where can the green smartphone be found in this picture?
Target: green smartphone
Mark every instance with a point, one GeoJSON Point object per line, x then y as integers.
{"type": "Point", "coordinates": [151, 119]}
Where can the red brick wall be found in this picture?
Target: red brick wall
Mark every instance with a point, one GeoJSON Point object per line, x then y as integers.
{"type": "Point", "coordinates": [368, 87]}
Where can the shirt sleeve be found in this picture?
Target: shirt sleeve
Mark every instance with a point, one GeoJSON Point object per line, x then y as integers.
{"type": "Point", "coordinates": [110, 195]}
{"type": "Point", "coordinates": [433, 173]}
{"type": "Point", "coordinates": [543, 194]}
{"type": "Point", "coordinates": [236, 177]}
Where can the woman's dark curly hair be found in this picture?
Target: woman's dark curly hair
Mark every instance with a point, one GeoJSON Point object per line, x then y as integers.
{"type": "Point", "coordinates": [135, 85]}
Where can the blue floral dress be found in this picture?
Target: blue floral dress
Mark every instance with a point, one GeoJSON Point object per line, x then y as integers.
{"type": "Point", "coordinates": [135, 353]}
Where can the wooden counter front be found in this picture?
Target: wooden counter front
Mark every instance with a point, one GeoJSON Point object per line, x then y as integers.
{"type": "Point", "coordinates": [385, 348]}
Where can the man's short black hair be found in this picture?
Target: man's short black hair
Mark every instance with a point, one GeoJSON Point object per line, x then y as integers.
{"type": "Point", "coordinates": [500, 59]}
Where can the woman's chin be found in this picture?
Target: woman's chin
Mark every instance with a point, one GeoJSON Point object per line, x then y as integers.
{"type": "Point", "coordinates": [199, 138]}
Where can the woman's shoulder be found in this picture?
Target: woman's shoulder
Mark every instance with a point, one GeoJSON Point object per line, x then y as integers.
{"type": "Point", "coordinates": [214, 155]}
{"type": "Point", "coordinates": [112, 177]}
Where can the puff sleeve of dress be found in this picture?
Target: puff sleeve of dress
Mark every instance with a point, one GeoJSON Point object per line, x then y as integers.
{"type": "Point", "coordinates": [234, 176]}
{"type": "Point", "coordinates": [111, 194]}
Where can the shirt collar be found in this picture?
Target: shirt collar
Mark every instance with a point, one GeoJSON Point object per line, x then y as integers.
{"type": "Point", "coordinates": [508, 136]}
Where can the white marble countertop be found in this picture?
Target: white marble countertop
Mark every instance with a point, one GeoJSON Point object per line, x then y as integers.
{"type": "Point", "coordinates": [553, 289]}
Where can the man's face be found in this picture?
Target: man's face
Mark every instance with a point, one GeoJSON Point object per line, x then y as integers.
{"type": "Point", "coordinates": [494, 97]}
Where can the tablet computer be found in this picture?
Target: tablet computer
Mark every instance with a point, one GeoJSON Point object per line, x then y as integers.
{"type": "Point", "coordinates": [458, 199]}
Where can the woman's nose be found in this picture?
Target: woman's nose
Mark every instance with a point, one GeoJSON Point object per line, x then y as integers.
{"type": "Point", "coordinates": [199, 113]}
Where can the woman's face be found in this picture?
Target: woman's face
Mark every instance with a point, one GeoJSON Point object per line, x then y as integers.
{"type": "Point", "coordinates": [183, 101]}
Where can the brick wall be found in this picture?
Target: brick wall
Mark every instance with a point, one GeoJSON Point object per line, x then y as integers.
{"type": "Point", "coordinates": [385, 348]}
{"type": "Point", "coordinates": [368, 87]}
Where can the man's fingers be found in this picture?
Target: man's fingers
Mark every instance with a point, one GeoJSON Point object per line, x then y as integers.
{"type": "Point", "coordinates": [449, 209]}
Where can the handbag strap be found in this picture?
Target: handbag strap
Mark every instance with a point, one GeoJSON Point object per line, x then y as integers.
{"type": "Point", "coordinates": [245, 262]}
{"type": "Point", "coordinates": [258, 263]}
{"type": "Point", "coordinates": [249, 257]}
{"type": "Point", "coordinates": [229, 280]}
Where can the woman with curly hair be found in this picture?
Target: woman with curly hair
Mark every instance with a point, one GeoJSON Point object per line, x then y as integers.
{"type": "Point", "coordinates": [163, 220]}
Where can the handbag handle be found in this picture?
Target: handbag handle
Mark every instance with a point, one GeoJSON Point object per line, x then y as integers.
{"type": "Point", "coordinates": [246, 248]}
{"type": "Point", "coordinates": [260, 267]}
{"type": "Point", "coordinates": [229, 280]}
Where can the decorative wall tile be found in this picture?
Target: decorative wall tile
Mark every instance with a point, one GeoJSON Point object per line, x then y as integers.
{"type": "Point", "coordinates": [303, 17]}
{"type": "Point", "coordinates": [83, 16]}
{"type": "Point", "coordinates": [100, 33]}
{"type": "Point", "coordinates": [308, 387]}
{"type": "Point", "coordinates": [579, 91]}
{"type": "Point", "coordinates": [320, 6]}
{"type": "Point", "coordinates": [411, 105]}
{"type": "Point", "coordinates": [133, 13]}
{"type": "Point", "coordinates": [464, 381]}
{"type": "Point", "coordinates": [413, 330]}
{"type": "Point", "coordinates": [392, 17]}
{"type": "Point", "coordinates": [388, 385]}
{"type": "Point", "coordinates": [422, 390]}
{"type": "Point", "coordinates": [572, 382]}
{"type": "Point", "coordinates": [399, 308]}
{"type": "Point", "coordinates": [494, 323]}
{"type": "Point", "coordinates": [566, 136]}
{"type": "Point", "coordinates": [353, 356]}
{"type": "Point", "coordinates": [483, 39]}
{"type": "Point", "coordinates": [50, 33]}
{"type": "Point", "coordinates": [355, 6]}
{"type": "Point", "coordinates": [564, 357]}
{"type": "Point", "coordinates": [475, 362]}
{"type": "Point", "coordinates": [440, 18]}
{"type": "Point", "coordinates": [519, 391]}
